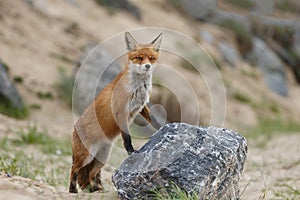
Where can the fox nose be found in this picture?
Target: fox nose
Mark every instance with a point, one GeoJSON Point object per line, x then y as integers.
{"type": "Point", "coordinates": [147, 66]}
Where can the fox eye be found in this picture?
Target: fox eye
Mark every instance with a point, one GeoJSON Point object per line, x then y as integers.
{"type": "Point", "coordinates": [152, 59]}
{"type": "Point", "coordinates": [139, 58]}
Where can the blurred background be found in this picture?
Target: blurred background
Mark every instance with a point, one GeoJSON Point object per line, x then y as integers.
{"type": "Point", "coordinates": [253, 45]}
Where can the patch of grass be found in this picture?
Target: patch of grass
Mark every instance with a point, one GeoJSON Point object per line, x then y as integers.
{"type": "Point", "coordinates": [18, 79]}
{"type": "Point", "coordinates": [287, 192]}
{"type": "Point", "coordinates": [18, 164]}
{"type": "Point", "coordinates": [57, 175]}
{"type": "Point", "coordinates": [29, 166]}
{"type": "Point", "coordinates": [287, 6]}
{"type": "Point", "coordinates": [66, 59]}
{"type": "Point", "coordinates": [251, 74]}
{"type": "Point", "coordinates": [176, 3]}
{"type": "Point", "coordinates": [44, 95]}
{"type": "Point", "coordinates": [65, 86]}
{"type": "Point", "coordinates": [35, 106]}
{"type": "Point", "coordinates": [74, 29]}
{"type": "Point", "coordinates": [283, 34]}
{"type": "Point", "coordinates": [274, 108]}
{"type": "Point", "coordinates": [269, 127]}
{"type": "Point", "coordinates": [32, 136]}
{"type": "Point", "coordinates": [110, 7]}
{"type": "Point", "coordinates": [58, 146]}
{"type": "Point", "coordinates": [242, 36]}
{"type": "Point", "coordinates": [4, 143]}
{"type": "Point", "coordinates": [244, 4]}
{"type": "Point", "coordinates": [36, 155]}
{"type": "Point", "coordinates": [47, 143]}
{"type": "Point", "coordinates": [241, 97]}
{"type": "Point", "coordinates": [7, 109]}
{"type": "Point", "coordinates": [174, 192]}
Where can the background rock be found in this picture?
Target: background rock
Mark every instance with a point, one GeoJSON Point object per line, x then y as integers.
{"type": "Point", "coordinates": [230, 54]}
{"type": "Point", "coordinates": [122, 5]}
{"type": "Point", "coordinates": [93, 68]}
{"type": "Point", "coordinates": [270, 65]}
{"type": "Point", "coordinates": [199, 9]}
{"type": "Point", "coordinates": [206, 36]}
{"type": "Point", "coordinates": [8, 91]}
{"type": "Point", "coordinates": [222, 16]}
{"type": "Point", "coordinates": [296, 43]}
{"type": "Point", "coordinates": [205, 160]}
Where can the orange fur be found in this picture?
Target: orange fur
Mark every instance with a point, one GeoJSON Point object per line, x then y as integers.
{"type": "Point", "coordinates": [110, 114]}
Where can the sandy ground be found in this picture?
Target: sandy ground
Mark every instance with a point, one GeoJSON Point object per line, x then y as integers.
{"type": "Point", "coordinates": [272, 170]}
{"type": "Point", "coordinates": [32, 41]}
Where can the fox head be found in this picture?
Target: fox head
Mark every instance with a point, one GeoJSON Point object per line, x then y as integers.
{"type": "Point", "coordinates": [142, 57]}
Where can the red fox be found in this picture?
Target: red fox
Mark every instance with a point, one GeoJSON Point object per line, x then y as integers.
{"type": "Point", "coordinates": [111, 113]}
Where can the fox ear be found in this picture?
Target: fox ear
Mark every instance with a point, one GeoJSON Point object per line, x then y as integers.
{"type": "Point", "coordinates": [131, 43]}
{"type": "Point", "coordinates": [156, 42]}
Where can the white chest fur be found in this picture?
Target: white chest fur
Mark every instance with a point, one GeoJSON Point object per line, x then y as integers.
{"type": "Point", "coordinates": [140, 87]}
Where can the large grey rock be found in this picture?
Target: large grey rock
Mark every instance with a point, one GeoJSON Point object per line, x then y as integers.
{"type": "Point", "coordinates": [123, 5]}
{"type": "Point", "coordinates": [296, 43]}
{"type": "Point", "coordinates": [8, 90]}
{"type": "Point", "coordinates": [92, 72]}
{"type": "Point", "coordinates": [206, 36]}
{"type": "Point", "coordinates": [199, 9]}
{"type": "Point", "coordinates": [229, 53]}
{"type": "Point", "coordinates": [280, 22]}
{"type": "Point", "coordinates": [265, 7]}
{"type": "Point", "coordinates": [206, 160]}
{"type": "Point", "coordinates": [220, 16]}
{"type": "Point", "coordinates": [270, 66]}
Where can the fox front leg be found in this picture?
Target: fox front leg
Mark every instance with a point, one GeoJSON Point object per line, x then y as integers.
{"type": "Point", "coordinates": [127, 141]}
{"type": "Point", "coordinates": [146, 113]}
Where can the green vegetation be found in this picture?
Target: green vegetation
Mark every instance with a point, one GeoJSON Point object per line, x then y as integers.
{"type": "Point", "coordinates": [44, 95]}
{"type": "Point", "coordinates": [174, 192]}
{"type": "Point", "coordinates": [18, 79]}
{"type": "Point", "coordinates": [31, 136]}
{"type": "Point", "coordinates": [241, 97]}
{"type": "Point", "coordinates": [269, 127]}
{"type": "Point", "coordinates": [283, 34]}
{"type": "Point", "coordinates": [287, 192]}
{"type": "Point", "coordinates": [243, 37]}
{"type": "Point", "coordinates": [244, 4]}
{"type": "Point", "coordinates": [251, 74]}
{"type": "Point", "coordinates": [65, 87]}
{"type": "Point", "coordinates": [176, 3]}
{"type": "Point", "coordinates": [7, 109]}
{"type": "Point", "coordinates": [288, 6]}
{"type": "Point", "coordinates": [18, 164]}
{"type": "Point", "coordinates": [47, 143]}
{"type": "Point", "coordinates": [35, 106]}
{"type": "Point", "coordinates": [110, 7]}
{"type": "Point", "coordinates": [18, 159]}
{"type": "Point", "coordinates": [65, 59]}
